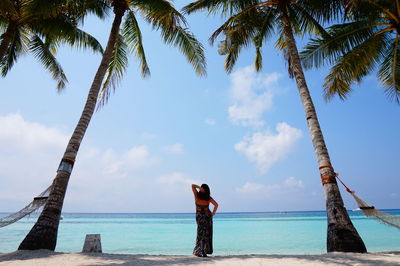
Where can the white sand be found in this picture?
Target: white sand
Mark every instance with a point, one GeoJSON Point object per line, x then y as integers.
{"type": "Point", "coordinates": [44, 257]}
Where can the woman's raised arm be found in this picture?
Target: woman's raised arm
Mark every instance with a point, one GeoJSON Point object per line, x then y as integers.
{"type": "Point", "coordinates": [194, 189]}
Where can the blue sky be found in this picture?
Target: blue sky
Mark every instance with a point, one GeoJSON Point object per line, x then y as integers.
{"type": "Point", "coordinates": [242, 133]}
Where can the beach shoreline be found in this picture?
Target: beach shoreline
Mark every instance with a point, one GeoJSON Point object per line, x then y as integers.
{"type": "Point", "coordinates": [46, 257]}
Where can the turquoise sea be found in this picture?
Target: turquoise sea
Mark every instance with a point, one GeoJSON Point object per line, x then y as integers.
{"type": "Point", "coordinates": [234, 233]}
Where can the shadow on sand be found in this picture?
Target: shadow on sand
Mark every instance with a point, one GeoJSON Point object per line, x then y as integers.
{"type": "Point", "coordinates": [347, 259]}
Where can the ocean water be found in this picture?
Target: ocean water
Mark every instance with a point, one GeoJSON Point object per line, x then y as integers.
{"type": "Point", "coordinates": [234, 233]}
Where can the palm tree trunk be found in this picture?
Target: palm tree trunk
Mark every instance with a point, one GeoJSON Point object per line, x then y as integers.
{"type": "Point", "coordinates": [43, 234]}
{"type": "Point", "coordinates": [342, 235]}
{"type": "Point", "coordinates": [6, 39]}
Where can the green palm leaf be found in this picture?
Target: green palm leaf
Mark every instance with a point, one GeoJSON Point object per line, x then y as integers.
{"type": "Point", "coordinates": [115, 70]}
{"type": "Point", "coordinates": [189, 46]}
{"type": "Point", "coordinates": [358, 47]}
{"type": "Point", "coordinates": [41, 51]}
{"type": "Point", "coordinates": [82, 39]}
{"type": "Point", "coordinates": [389, 73]}
{"type": "Point", "coordinates": [67, 32]}
{"type": "Point", "coordinates": [75, 9]}
{"type": "Point", "coordinates": [164, 17]}
{"type": "Point", "coordinates": [353, 66]}
{"type": "Point", "coordinates": [308, 20]}
{"type": "Point", "coordinates": [14, 50]}
{"type": "Point", "coordinates": [44, 7]}
{"type": "Point", "coordinates": [225, 7]}
{"type": "Point", "coordinates": [339, 39]}
{"type": "Point", "coordinates": [133, 38]}
{"type": "Point", "coordinates": [7, 9]}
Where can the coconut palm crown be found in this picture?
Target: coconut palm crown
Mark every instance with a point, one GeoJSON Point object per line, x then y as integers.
{"type": "Point", "coordinates": [253, 22]}
{"type": "Point", "coordinates": [124, 38]}
{"type": "Point", "coordinates": [369, 40]}
{"type": "Point", "coordinates": [24, 29]}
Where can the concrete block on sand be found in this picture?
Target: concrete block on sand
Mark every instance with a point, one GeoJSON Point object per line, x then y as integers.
{"type": "Point", "coordinates": [92, 244]}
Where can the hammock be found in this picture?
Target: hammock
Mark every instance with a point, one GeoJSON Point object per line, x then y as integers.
{"type": "Point", "coordinates": [37, 202]}
{"type": "Point", "coordinates": [370, 211]}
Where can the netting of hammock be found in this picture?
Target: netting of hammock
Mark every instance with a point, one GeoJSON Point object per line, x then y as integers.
{"type": "Point", "coordinates": [369, 210]}
{"type": "Point", "coordinates": [37, 202]}
{"type": "Point", "coordinates": [382, 217]}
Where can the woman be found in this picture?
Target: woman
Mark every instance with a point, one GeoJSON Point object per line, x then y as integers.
{"type": "Point", "coordinates": [204, 220]}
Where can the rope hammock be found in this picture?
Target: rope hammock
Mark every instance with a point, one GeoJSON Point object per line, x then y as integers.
{"type": "Point", "coordinates": [370, 211]}
{"type": "Point", "coordinates": [37, 202]}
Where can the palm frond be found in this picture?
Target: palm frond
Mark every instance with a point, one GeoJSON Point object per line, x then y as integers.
{"type": "Point", "coordinates": [389, 72]}
{"type": "Point", "coordinates": [251, 26]}
{"type": "Point", "coordinates": [3, 26]}
{"type": "Point", "coordinates": [231, 57]}
{"type": "Point", "coordinates": [64, 30]}
{"type": "Point", "coordinates": [281, 44]}
{"type": "Point", "coordinates": [225, 7]}
{"type": "Point", "coordinates": [249, 18]}
{"type": "Point", "coordinates": [353, 66]}
{"type": "Point", "coordinates": [133, 38]}
{"type": "Point", "coordinates": [82, 39]}
{"type": "Point", "coordinates": [265, 31]}
{"type": "Point", "coordinates": [322, 11]}
{"type": "Point", "coordinates": [13, 52]}
{"type": "Point", "coordinates": [339, 40]}
{"type": "Point", "coordinates": [72, 9]}
{"type": "Point", "coordinates": [7, 9]}
{"type": "Point", "coordinates": [296, 22]}
{"type": "Point", "coordinates": [307, 21]}
{"type": "Point", "coordinates": [189, 46]}
{"type": "Point", "coordinates": [223, 47]}
{"type": "Point", "coordinates": [258, 59]}
{"type": "Point", "coordinates": [160, 13]}
{"type": "Point", "coordinates": [41, 51]}
{"type": "Point", "coordinates": [237, 37]}
{"type": "Point", "coordinates": [43, 8]}
{"type": "Point", "coordinates": [163, 16]}
{"type": "Point", "coordinates": [99, 8]}
{"type": "Point", "coordinates": [115, 70]}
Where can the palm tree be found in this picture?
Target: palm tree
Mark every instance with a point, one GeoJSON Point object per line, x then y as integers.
{"type": "Point", "coordinates": [369, 41]}
{"type": "Point", "coordinates": [162, 16]}
{"type": "Point", "coordinates": [251, 22]}
{"type": "Point", "coordinates": [25, 30]}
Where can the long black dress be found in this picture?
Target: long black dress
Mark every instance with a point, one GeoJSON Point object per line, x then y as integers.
{"type": "Point", "coordinates": [204, 231]}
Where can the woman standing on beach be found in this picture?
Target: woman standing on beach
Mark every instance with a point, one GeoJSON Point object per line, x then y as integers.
{"type": "Point", "coordinates": [204, 216]}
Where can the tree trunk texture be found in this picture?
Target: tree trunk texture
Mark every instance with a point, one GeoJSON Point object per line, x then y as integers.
{"type": "Point", "coordinates": [6, 39]}
{"type": "Point", "coordinates": [342, 235]}
{"type": "Point", "coordinates": [43, 234]}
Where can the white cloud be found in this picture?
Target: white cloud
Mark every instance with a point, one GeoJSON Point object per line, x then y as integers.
{"type": "Point", "coordinates": [289, 185]}
{"type": "Point", "coordinates": [394, 195]}
{"type": "Point", "coordinates": [136, 157]}
{"type": "Point", "coordinates": [251, 95]}
{"type": "Point", "coordinates": [30, 156]}
{"type": "Point", "coordinates": [176, 185]}
{"type": "Point", "coordinates": [210, 122]}
{"type": "Point", "coordinates": [251, 187]}
{"type": "Point", "coordinates": [265, 148]}
{"type": "Point", "coordinates": [176, 178]}
{"type": "Point", "coordinates": [176, 148]}
{"type": "Point", "coordinates": [21, 134]}
{"type": "Point", "coordinates": [292, 182]}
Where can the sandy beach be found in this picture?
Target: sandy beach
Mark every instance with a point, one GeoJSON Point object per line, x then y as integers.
{"type": "Point", "coordinates": [45, 257]}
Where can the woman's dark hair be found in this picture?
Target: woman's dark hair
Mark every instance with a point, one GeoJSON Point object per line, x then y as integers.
{"type": "Point", "coordinates": [206, 194]}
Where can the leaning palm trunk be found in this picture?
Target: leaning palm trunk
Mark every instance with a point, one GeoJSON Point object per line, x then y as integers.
{"type": "Point", "coordinates": [342, 236]}
{"type": "Point", "coordinates": [43, 235]}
